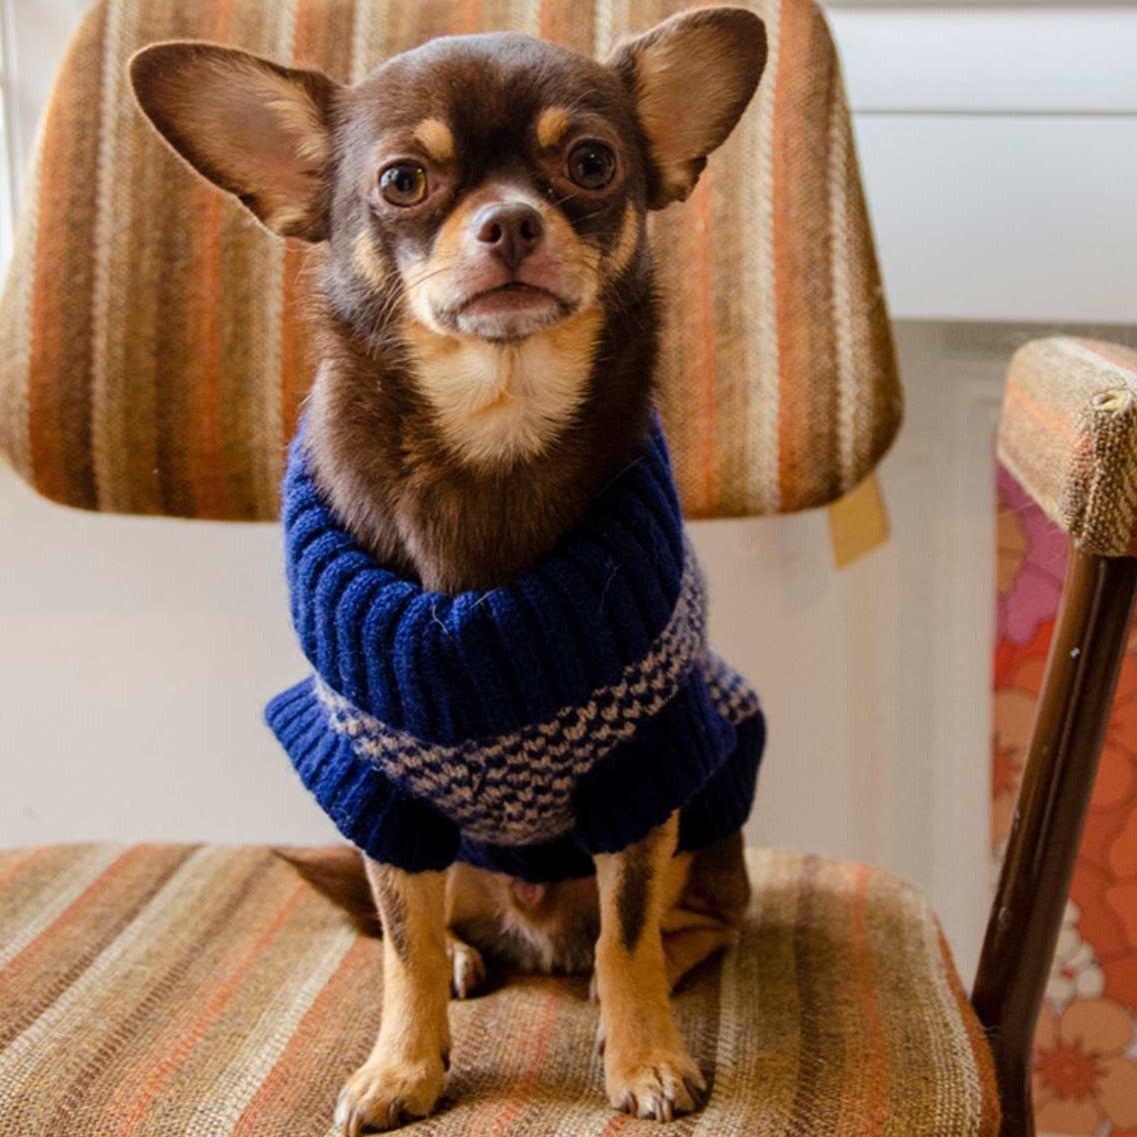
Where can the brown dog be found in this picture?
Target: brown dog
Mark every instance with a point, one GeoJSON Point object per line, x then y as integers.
{"type": "Point", "coordinates": [487, 347]}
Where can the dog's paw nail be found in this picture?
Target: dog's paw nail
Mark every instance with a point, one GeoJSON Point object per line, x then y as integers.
{"type": "Point", "coordinates": [345, 1118]}
{"type": "Point", "coordinates": [601, 1040]}
{"type": "Point", "coordinates": [385, 1095]}
{"type": "Point", "coordinates": [350, 1122]}
{"type": "Point", "coordinates": [656, 1085]}
{"type": "Point", "coordinates": [696, 1090]}
{"type": "Point", "coordinates": [467, 971]}
{"type": "Point", "coordinates": [593, 990]}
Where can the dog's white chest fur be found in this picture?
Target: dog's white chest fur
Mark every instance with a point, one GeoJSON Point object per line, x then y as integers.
{"type": "Point", "coordinates": [500, 403]}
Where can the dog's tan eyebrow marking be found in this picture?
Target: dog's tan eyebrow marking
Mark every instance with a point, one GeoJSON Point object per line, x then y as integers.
{"type": "Point", "coordinates": [436, 138]}
{"type": "Point", "coordinates": [551, 126]}
{"type": "Point", "coordinates": [367, 260]}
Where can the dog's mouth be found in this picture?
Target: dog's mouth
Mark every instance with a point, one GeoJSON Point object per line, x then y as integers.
{"type": "Point", "coordinates": [509, 311]}
{"type": "Point", "coordinates": [512, 293]}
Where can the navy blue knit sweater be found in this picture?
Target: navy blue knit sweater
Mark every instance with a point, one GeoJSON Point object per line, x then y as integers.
{"type": "Point", "coordinates": [525, 727]}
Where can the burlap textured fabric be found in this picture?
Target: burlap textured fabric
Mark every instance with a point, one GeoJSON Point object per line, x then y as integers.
{"type": "Point", "coordinates": [154, 356]}
{"type": "Point", "coordinates": [203, 991]}
{"type": "Point", "coordinates": [1068, 434]}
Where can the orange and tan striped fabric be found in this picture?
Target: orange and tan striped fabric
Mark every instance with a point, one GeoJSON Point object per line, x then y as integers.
{"type": "Point", "coordinates": [155, 354]}
{"type": "Point", "coordinates": [1068, 434]}
{"type": "Point", "coordinates": [205, 991]}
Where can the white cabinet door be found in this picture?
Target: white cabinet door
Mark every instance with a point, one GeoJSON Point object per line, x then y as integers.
{"type": "Point", "coordinates": [999, 149]}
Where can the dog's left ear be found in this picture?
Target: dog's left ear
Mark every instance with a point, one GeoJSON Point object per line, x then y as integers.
{"type": "Point", "coordinates": [692, 77]}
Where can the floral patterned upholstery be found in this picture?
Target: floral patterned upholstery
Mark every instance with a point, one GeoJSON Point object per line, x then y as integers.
{"type": "Point", "coordinates": [1085, 1062]}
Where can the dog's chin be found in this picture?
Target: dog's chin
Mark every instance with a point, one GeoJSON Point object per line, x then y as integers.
{"type": "Point", "coordinates": [510, 313]}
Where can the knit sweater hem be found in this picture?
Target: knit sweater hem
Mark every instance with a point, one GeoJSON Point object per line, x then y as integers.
{"type": "Point", "coordinates": [395, 828]}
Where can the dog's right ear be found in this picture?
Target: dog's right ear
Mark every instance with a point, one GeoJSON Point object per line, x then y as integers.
{"type": "Point", "coordinates": [258, 130]}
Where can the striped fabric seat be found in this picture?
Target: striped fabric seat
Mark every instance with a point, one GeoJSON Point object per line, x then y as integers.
{"type": "Point", "coordinates": [156, 990]}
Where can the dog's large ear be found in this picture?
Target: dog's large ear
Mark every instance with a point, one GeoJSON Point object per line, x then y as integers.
{"type": "Point", "coordinates": [256, 129]}
{"type": "Point", "coordinates": [691, 77]}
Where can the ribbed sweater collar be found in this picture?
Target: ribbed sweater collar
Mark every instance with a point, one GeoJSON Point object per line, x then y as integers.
{"type": "Point", "coordinates": [447, 669]}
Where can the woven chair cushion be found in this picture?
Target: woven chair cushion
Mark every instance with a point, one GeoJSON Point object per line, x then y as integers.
{"type": "Point", "coordinates": [203, 991]}
{"type": "Point", "coordinates": [1068, 433]}
{"type": "Point", "coordinates": [155, 351]}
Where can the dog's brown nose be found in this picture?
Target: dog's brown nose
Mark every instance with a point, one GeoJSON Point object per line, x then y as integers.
{"type": "Point", "coordinates": [511, 231]}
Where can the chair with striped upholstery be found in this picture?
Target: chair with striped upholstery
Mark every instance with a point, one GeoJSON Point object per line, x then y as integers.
{"type": "Point", "coordinates": [154, 365]}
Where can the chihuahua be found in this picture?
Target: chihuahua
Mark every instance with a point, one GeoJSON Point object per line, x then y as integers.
{"type": "Point", "coordinates": [487, 338]}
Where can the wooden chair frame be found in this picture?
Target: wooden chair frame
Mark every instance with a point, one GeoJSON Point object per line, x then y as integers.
{"type": "Point", "coordinates": [1062, 760]}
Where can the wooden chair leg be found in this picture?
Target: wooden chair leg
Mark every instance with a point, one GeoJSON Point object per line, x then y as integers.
{"type": "Point", "coordinates": [1070, 722]}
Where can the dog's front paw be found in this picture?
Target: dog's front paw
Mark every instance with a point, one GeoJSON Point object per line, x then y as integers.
{"type": "Point", "coordinates": [467, 969]}
{"type": "Point", "coordinates": [656, 1083]}
{"type": "Point", "coordinates": [385, 1095]}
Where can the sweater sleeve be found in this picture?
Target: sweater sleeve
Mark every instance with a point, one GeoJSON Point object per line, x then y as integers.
{"type": "Point", "coordinates": [397, 829]}
{"type": "Point", "coordinates": [643, 781]}
{"type": "Point", "coordinates": [373, 813]}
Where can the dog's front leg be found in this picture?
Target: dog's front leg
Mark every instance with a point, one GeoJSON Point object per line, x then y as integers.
{"type": "Point", "coordinates": [647, 1069]}
{"type": "Point", "coordinates": [403, 1076]}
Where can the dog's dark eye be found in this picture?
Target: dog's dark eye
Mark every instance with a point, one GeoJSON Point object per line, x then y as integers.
{"type": "Point", "coordinates": [403, 183]}
{"type": "Point", "coordinates": [592, 165]}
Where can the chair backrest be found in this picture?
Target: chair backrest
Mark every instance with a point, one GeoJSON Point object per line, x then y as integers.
{"type": "Point", "coordinates": [1069, 433]}
{"type": "Point", "coordinates": [156, 354]}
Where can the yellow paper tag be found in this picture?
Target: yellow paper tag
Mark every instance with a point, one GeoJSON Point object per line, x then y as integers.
{"type": "Point", "coordinates": [858, 522]}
